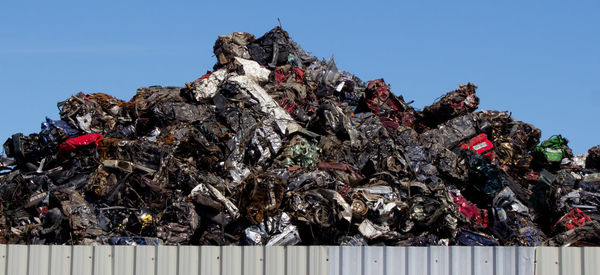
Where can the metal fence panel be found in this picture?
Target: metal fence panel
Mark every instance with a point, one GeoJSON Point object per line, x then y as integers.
{"type": "Point", "coordinates": [351, 261]}
{"type": "Point", "coordinates": [525, 260]}
{"type": "Point", "coordinates": [232, 260]}
{"type": "Point", "coordinates": [253, 260]}
{"type": "Point", "coordinates": [103, 260]}
{"type": "Point", "coordinates": [591, 260]}
{"type": "Point", "coordinates": [123, 261]}
{"type": "Point", "coordinates": [505, 259]}
{"type": "Point", "coordinates": [188, 260]}
{"type": "Point", "coordinates": [461, 260]}
{"type": "Point", "coordinates": [275, 261]}
{"type": "Point", "coordinates": [145, 260]}
{"type": "Point", "coordinates": [83, 260]}
{"type": "Point", "coordinates": [166, 260]}
{"type": "Point", "coordinates": [373, 259]}
{"type": "Point", "coordinates": [571, 260]}
{"type": "Point", "coordinates": [483, 260]}
{"type": "Point", "coordinates": [568, 260]}
{"type": "Point", "coordinates": [334, 260]}
{"type": "Point", "coordinates": [439, 260]}
{"type": "Point", "coordinates": [316, 260]}
{"type": "Point", "coordinates": [38, 260]}
{"type": "Point", "coordinates": [418, 260]}
{"type": "Point", "coordinates": [296, 261]}
{"type": "Point", "coordinates": [3, 251]}
{"type": "Point", "coordinates": [60, 259]}
{"type": "Point", "coordinates": [547, 261]}
{"type": "Point", "coordinates": [395, 260]}
{"type": "Point", "coordinates": [210, 263]}
{"type": "Point", "coordinates": [431, 260]}
{"type": "Point", "coordinates": [17, 260]}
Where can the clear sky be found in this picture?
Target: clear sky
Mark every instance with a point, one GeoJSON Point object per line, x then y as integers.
{"type": "Point", "coordinates": [538, 59]}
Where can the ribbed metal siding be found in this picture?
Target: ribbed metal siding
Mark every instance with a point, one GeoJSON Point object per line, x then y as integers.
{"type": "Point", "coordinates": [431, 260]}
{"type": "Point", "coordinates": [568, 260]}
{"type": "Point", "coordinates": [194, 260]}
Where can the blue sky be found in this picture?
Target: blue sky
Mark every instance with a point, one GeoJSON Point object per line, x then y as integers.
{"type": "Point", "coordinates": [540, 59]}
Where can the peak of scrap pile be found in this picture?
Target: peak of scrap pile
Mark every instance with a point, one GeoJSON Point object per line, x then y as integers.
{"type": "Point", "coordinates": [276, 147]}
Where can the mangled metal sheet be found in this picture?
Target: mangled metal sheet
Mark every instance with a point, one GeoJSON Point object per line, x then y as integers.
{"type": "Point", "coordinates": [276, 147]}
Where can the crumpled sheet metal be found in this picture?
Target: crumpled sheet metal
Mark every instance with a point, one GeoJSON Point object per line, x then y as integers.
{"type": "Point", "coordinates": [469, 210]}
{"type": "Point", "coordinates": [275, 48]}
{"type": "Point", "coordinates": [592, 160]}
{"type": "Point", "coordinates": [5, 163]}
{"type": "Point", "coordinates": [273, 231]}
{"type": "Point", "coordinates": [372, 231]}
{"type": "Point", "coordinates": [209, 190]}
{"type": "Point", "coordinates": [453, 131]}
{"type": "Point", "coordinates": [232, 46]}
{"type": "Point", "coordinates": [318, 178]}
{"type": "Point", "coordinates": [261, 196]}
{"type": "Point", "coordinates": [456, 103]}
{"type": "Point", "coordinates": [267, 105]}
{"type": "Point", "coordinates": [588, 232]}
{"type": "Point", "coordinates": [508, 200]}
{"type": "Point", "coordinates": [253, 70]}
{"type": "Point", "coordinates": [263, 143]}
{"type": "Point", "coordinates": [89, 113]}
{"type": "Point", "coordinates": [276, 147]}
{"type": "Point", "coordinates": [57, 131]}
{"type": "Point", "coordinates": [71, 144]}
{"type": "Point", "coordinates": [206, 88]}
{"type": "Point", "coordinates": [300, 151]}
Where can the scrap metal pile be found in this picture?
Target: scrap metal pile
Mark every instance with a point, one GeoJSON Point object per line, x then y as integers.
{"type": "Point", "coordinates": [276, 147]}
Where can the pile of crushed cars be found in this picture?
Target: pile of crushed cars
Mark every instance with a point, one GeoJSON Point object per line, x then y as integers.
{"type": "Point", "coordinates": [276, 147]}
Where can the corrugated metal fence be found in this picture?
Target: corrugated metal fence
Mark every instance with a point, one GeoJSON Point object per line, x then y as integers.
{"type": "Point", "coordinates": [190, 260]}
